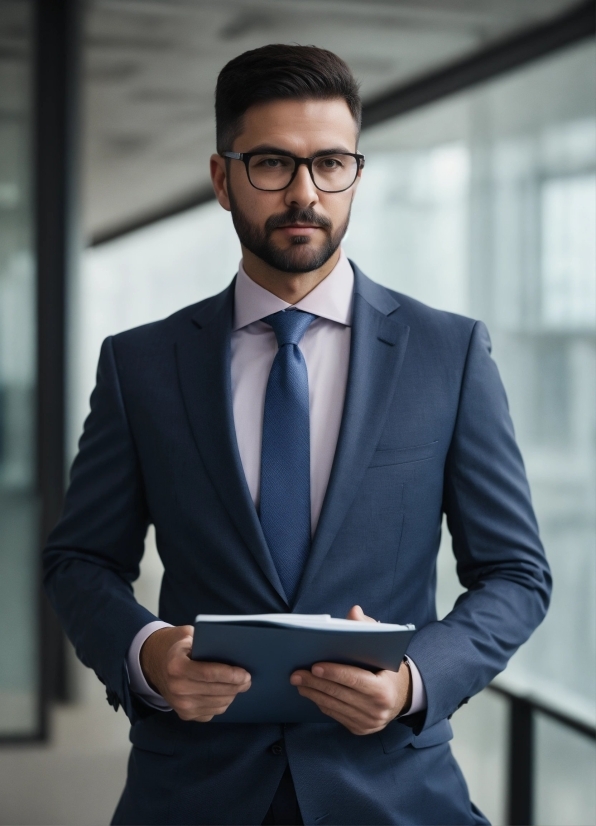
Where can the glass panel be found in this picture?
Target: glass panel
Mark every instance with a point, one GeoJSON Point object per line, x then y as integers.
{"type": "Point", "coordinates": [480, 747]}
{"type": "Point", "coordinates": [18, 513]}
{"type": "Point", "coordinates": [141, 277]}
{"type": "Point", "coordinates": [565, 772]}
{"type": "Point", "coordinates": [484, 204]}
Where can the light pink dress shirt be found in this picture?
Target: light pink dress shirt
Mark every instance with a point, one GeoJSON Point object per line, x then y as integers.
{"type": "Point", "coordinates": [326, 349]}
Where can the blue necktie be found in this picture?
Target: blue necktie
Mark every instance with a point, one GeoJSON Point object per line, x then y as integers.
{"type": "Point", "coordinates": [285, 453]}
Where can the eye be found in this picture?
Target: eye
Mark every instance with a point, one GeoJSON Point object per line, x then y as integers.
{"type": "Point", "coordinates": [271, 162]}
{"type": "Point", "coordinates": [328, 164]}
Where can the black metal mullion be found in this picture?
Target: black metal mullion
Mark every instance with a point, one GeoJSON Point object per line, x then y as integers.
{"type": "Point", "coordinates": [56, 80]}
{"type": "Point", "coordinates": [203, 195]}
{"type": "Point", "coordinates": [509, 53]}
{"type": "Point", "coordinates": [520, 763]}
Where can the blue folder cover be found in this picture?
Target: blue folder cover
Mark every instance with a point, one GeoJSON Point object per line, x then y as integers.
{"type": "Point", "coordinates": [271, 653]}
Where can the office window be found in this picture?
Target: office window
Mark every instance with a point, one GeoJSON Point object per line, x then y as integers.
{"type": "Point", "coordinates": [141, 277]}
{"type": "Point", "coordinates": [484, 204]}
{"type": "Point", "coordinates": [565, 776]}
{"type": "Point", "coordinates": [568, 217]}
{"type": "Point", "coordinates": [18, 510]}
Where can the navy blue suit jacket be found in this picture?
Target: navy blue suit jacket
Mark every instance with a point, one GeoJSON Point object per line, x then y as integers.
{"type": "Point", "coordinates": [425, 431]}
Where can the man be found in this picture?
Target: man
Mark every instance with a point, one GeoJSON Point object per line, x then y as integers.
{"type": "Point", "coordinates": [295, 441]}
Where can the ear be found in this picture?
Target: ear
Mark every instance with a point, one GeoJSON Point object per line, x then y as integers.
{"type": "Point", "coordinates": [219, 178]}
{"type": "Point", "coordinates": [360, 171]}
{"type": "Point", "coordinates": [356, 182]}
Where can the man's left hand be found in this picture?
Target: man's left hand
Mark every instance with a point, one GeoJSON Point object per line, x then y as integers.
{"type": "Point", "coordinates": [361, 701]}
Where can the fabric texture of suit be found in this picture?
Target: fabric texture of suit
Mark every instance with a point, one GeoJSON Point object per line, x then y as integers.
{"type": "Point", "coordinates": [425, 431]}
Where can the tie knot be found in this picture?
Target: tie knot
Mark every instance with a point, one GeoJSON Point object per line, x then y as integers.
{"type": "Point", "coordinates": [289, 325]}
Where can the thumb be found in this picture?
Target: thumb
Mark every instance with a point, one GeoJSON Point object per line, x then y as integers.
{"type": "Point", "coordinates": [185, 641]}
{"type": "Point", "coordinates": [356, 613]}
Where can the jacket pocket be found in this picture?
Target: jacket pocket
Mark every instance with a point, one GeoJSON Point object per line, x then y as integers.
{"type": "Point", "coordinates": [401, 455]}
{"type": "Point", "coordinates": [441, 732]}
{"type": "Point", "coordinates": [397, 736]}
{"type": "Point", "coordinates": [144, 736]}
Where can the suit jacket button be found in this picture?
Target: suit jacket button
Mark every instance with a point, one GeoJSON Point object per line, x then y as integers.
{"type": "Point", "coordinates": [277, 749]}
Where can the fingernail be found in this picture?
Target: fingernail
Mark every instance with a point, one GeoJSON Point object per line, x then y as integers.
{"type": "Point", "coordinates": [317, 671]}
{"type": "Point", "coordinates": [296, 679]}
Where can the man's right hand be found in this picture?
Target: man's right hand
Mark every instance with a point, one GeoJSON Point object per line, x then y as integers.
{"type": "Point", "coordinates": [195, 690]}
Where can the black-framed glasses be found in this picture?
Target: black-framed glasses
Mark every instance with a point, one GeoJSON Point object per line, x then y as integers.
{"type": "Point", "coordinates": [274, 171]}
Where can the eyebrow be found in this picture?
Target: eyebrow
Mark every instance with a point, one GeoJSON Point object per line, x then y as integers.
{"type": "Point", "coordinates": [268, 149]}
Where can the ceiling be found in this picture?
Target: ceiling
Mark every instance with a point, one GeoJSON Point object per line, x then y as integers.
{"type": "Point", "coordinates": [150, 68]}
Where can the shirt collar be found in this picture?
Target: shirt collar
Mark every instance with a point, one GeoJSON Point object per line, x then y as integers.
{"type": "Point", "coordinates": [331, 299]}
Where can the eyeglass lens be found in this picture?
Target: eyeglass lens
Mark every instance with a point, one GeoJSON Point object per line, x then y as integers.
{"type": "Point", "coordinates": [331, 173]}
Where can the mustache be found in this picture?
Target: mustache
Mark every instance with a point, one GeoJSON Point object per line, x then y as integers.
{"type": "Point", "coordinates": [297, 216]}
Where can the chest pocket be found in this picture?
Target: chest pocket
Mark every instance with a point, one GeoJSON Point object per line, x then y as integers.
{"type": "Point", "coordinates": [403, 455]}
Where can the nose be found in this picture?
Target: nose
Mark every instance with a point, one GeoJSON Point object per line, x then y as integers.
{"type": "Point", "coordinates": [302, 192]}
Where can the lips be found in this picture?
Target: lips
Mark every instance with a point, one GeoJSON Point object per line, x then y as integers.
{"type": "Point", "coordinates": [296, 230]}
{"type": "Point", "coordinates": [299, 226]}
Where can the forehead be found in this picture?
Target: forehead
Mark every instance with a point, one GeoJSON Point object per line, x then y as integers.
{"type": "Point", "coordinates": [298, 126]}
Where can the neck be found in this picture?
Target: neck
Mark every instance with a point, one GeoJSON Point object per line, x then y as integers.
{"type": "Point", "coordinates": [289, 286]}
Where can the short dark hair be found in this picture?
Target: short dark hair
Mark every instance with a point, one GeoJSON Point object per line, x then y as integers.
{"type": "Point", "coordinates": [278, 72]}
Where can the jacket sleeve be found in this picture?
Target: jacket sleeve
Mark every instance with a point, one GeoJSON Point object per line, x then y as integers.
{"type": "Point", "coordinates": [500, 558]}
{"type": "Point", "coordinates": [92, 556]}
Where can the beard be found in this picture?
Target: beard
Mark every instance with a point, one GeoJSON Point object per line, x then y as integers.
{"type": "Point", "coordinates": [301, 256]}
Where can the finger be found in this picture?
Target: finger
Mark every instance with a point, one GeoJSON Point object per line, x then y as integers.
{"type": "Point", "coordinates": [355, 728]}
{"type": "Point", "coordinates": [347, 695]}
{"type": "Point", "coordinates": [217, 706]}
{"type": "Point", "coordinates": [196, 688]}
{"type": "Point", "coordinates": [192, 706]}
{"type": "Point", "coordinates": [356, 613]}
{"type": "Point", "coordinates": [350, 676]}
{"type": "Point", "coordinates": [185, 643]}
{"type": "Point", "coordinates": [364, 727]}
{"type": "Point", "coordinates": [335, 707]}
{"type": "Point", "coordinates": [357, 720]}
{"type": "Point", "coordinates": [332, 689]}
{"type": "Point", "coordinates": [200, 714]}
{"type": "Point", "coordinates": [200, 708]}
{"type": "Point", "coordinates": [214, 672]}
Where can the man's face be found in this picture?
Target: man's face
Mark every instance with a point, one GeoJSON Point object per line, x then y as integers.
{"type": "Point", "coordinates": [296, 229]}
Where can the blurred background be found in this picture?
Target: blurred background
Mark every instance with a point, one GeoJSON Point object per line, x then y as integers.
{"type": "Point", "coordinates": [479, 196]}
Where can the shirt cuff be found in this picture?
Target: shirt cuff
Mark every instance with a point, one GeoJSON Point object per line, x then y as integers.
{"type": "Point", "coordinates": [138, 683]}
{"type": "Point", "coordinates": [418, 691]}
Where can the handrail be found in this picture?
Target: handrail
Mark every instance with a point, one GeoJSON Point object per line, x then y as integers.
{"type": "Point", "coordinates": [521, 748]}
{"type": "Point", "coordinates": [541, 707]}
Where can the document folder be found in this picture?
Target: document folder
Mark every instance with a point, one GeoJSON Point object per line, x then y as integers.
{"type": "Point", "coordinates": [272, 646]}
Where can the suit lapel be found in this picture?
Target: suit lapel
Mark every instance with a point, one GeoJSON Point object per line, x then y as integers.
{"type": "Point", "coordinates": [203, 356]}
{"type": "Point", "coordinates": [377, 351]}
